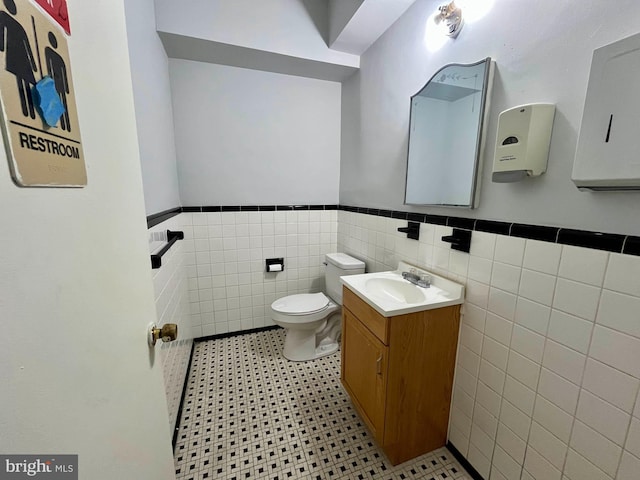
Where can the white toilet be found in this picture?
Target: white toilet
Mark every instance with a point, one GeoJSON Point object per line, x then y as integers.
{"type": "Point", "coordinates": [312, 320]}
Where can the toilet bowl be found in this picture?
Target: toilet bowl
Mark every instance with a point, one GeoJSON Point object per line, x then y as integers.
{"type": "Point", "coordinates": [305, 316]}
{"type": "Point", "coordinates": [313, 320]}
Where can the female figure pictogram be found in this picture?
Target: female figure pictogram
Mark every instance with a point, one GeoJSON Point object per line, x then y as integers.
{"type": "Point", "coordinates": [18, 57]}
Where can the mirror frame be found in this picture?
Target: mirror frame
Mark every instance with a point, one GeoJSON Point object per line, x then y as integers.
{"type": "Point", "coordinates": [480, 134]}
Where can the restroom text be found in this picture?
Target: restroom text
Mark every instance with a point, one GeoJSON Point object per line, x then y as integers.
{"type": "Point", "coordinates": [34, 142]}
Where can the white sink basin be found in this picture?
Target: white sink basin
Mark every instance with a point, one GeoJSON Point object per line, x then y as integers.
{"type": "Point", "coordinates": [396, 290]}
{"type": "Point", "coordinates": [391, 295]}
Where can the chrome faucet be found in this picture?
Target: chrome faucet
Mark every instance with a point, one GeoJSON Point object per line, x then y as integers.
{"type": "Point", "coordinates": [423, 280]}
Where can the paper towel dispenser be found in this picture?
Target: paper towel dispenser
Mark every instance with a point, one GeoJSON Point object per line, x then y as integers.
{"type": "Point", "coordinates": [608, 152]}
{"type": "Point", "coordinates": [522, 143]}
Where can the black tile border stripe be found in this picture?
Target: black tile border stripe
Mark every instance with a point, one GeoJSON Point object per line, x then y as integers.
{"type": "Point", "coordinates": [235, 334]}
{"type": "Point", "coordinates": [464, 463]}
{"type": "Point", "coordinates": [600, 241]}
{"type": "Point", "coordinates": [255, 208]}
{"type": "Point", "coordinates": [457, 222]}
{"type": "Point", "coordinates": [416, 217]}
{"type": "Point", "coordinates": [610, 242]}
{"type": "Point", "coordinates": [490, 226]}
{"type": "Point", "coordinates": [211, 209]}
{"type": "Point", "coordinates": [436, 219]}
{"type": "Point", "coordinates": [534, 232]}
{"type": "Point", "coordinates": [632, 246]}
{"type": "Point", "coordinates": [157, 218]}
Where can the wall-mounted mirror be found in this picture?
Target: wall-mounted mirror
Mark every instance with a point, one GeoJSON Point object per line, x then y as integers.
{"type": "Point", "coordinates": [446, 136]}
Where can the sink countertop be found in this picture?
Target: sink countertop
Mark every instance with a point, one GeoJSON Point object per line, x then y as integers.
{"type": "Point", "coordinates": [390, 294]}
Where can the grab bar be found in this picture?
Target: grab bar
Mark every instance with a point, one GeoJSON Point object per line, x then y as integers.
{"type": "Point", "coordinates": [172, 237]}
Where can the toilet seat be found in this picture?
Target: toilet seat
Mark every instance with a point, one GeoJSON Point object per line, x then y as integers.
{"type": "Point", "coordinates": [301, 304]}
{"type": "Point", "coordinates": [304, 308]}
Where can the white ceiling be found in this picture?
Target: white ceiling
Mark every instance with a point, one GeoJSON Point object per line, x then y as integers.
{"type": "Point", "coordinates": [367, 23]}
{"type": "Point", "coordinates": [311, 38]}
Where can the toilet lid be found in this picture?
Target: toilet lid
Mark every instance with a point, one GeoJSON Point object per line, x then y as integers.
{"type": "Point", "coordinates": [301, 304]}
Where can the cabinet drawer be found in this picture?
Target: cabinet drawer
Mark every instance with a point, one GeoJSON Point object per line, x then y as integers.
{"type": "Point", "coordinates": [376, 323]}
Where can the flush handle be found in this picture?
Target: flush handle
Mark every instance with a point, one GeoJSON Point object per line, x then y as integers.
{"type": "Point", "coordinates": [168, 333]}
{"type": "Point", "coordinates": [379, 365]}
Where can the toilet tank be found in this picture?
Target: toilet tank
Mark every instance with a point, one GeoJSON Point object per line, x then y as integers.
{"type": "Point", "coordinates": [339, 265]}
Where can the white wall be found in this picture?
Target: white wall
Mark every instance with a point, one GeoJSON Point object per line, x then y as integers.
{"type": "Point", "coordinates": [543, 53]}
{"type": "Point", "coordinates": [279, 26]}
{"type": "Point", "coordinates": [548, 375]}
{"type": "Point", "coordinates": [154, 116]}
{"type": "Point", "coordinates": [75, 291]}
{"type": "Point", "coordinates": [247, 137]}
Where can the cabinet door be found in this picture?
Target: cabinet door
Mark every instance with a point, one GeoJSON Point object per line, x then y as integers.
{"type": "Point", "coordinates": [364, 372]}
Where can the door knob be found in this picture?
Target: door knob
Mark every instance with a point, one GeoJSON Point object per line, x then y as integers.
{"type": "Point", "coordinates": [168, 333]}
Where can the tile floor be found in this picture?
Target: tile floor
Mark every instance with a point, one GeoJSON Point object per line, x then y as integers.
{"type": "Point", "coordinates": [251, 414]}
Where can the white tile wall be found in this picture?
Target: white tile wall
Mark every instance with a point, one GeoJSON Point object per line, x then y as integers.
{"type": "Point", "coordinates": [172, 306]}
{"type": "Point", "coordinates": [225, 261]}
{"type": "Point", "coordinates": [548, 369]}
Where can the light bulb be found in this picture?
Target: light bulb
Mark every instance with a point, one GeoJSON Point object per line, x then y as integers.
{"type": "Point", "coordinates": [435, 35]}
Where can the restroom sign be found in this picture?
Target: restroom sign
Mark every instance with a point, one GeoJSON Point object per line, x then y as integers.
{"type": "Point", "coordinates": [44, 148]}
{"type": "Point", "coordinates": [58, 11]}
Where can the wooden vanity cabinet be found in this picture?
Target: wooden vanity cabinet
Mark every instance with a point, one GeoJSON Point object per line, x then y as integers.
{"type": "Point", "coordinates": [399, 374]}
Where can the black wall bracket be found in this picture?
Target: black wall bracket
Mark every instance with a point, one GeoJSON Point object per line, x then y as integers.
{"type": "Point", "coordinates": [459, 240]}
{"type": "Point", "coordinates": [172, 237]}
{"type": "Point", "coordinates": [412, 230]}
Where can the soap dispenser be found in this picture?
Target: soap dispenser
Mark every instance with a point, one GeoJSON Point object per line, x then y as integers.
{"type": "Point", "coordinates": [522, 143]}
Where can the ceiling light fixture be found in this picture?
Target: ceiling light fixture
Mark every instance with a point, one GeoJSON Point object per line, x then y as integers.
{"type": "Point", "coordinates": [449, 19]}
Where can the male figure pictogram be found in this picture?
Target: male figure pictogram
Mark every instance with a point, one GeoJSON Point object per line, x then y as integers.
{"type": "Point", "coordinates": [57, 70]}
